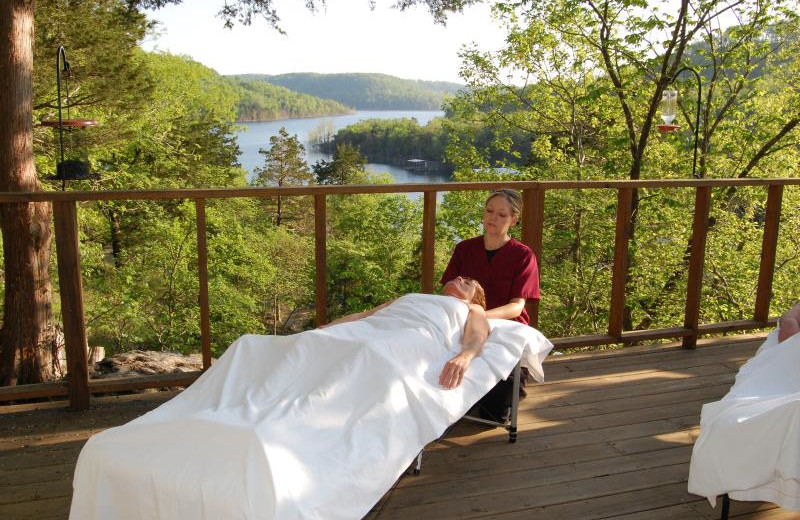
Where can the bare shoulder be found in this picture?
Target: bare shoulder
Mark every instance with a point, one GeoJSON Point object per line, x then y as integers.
{"type": "Point", "coordinates": [474, 307]}
{"type": "Point", "coordinates": [789, 323]}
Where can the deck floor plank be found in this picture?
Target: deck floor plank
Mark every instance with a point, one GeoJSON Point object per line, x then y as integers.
{"type": "Point", "coordinates": [608, 436]}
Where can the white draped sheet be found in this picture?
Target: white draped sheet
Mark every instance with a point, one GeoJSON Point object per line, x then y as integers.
{"type": "Point", "coordinates": [317, 425]}
{"type": "Point", "coordinates": [749, 443]}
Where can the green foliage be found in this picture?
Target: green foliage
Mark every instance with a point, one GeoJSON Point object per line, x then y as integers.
{"type": "Point", "coordinates": [365, 91]}
{"type": "Point", "coordinates": [346, 167]}
{"type": "Point", "coordinates": [365, 268]}
{"type": "Point", "coordinates": [150, 300]}
{"type": "Point", "coordinates": [184, 137]}
{"type": "Point", "coordinates": [585, 117]}
{"type": "Point", "coordinates": [395, 141]}
{"type": "Point", "coordinates": [107, 75]}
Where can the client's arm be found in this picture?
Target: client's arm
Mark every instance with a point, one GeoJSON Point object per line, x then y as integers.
{"type": "Point", "coordinates": [509, 311]}
{"type": "Point", "coordinates": [789, 323]}
{"type": "Point", "coordinates": [356, 315]}
{"type": "Point", "coordinates": [476, 330]}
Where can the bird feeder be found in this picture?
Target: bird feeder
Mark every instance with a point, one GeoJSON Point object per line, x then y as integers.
{"type": "Point", "coordinates": [73, 162]}
{"type": "Point", "coordinates": [669, 110]}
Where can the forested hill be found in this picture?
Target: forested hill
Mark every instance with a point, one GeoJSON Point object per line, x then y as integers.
{"type": "Point", "coordinates": [365, 91]}
{"type": "Point", "coordinates": [261, 101]}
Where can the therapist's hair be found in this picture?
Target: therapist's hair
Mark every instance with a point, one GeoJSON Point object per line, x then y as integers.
{"type": "Point", "coordinates": [480, 294]}
{"type": "Point", "coordinates": [513, 198]}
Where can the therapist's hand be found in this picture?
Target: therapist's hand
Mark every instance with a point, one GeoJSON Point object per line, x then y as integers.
{"type": "Point", "coordinates": [454, 370]}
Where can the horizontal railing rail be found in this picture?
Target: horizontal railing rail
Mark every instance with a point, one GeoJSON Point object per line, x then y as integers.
{"type": "Point", "coordinates": [79, 388]}
{"type": "Point", "coordinates": [363, 189]}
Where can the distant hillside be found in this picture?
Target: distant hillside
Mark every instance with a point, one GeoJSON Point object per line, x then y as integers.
{"type": "Point", "coordinates": [365, 91]}
{"type": "Point", "coordinates": [261, 101]}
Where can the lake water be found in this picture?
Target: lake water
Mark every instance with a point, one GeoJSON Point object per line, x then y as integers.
{"type": "Point", "coordinates": [256, 135]}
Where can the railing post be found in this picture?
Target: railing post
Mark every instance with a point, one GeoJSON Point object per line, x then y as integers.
{"type": "Point", "coordinates": [320, 258]}
{"type": "Point", "coordinates": [532, 231]}
{"type": "Point", "coordinates": [70, 285]}
{"type": "Point", "coordinates": [769, 246]}
{"type": "Point", "coordinates": [428, 240]}
{"type": "Point", "coordinates": [202, 272]}
{"type": "Point", "coordinates": [694, 289]}
{"type": "Point", "coordinates": [619, 275]}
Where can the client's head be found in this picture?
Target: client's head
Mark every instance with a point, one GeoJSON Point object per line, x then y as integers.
{"type": "Point", "coordinates": [465, 289]}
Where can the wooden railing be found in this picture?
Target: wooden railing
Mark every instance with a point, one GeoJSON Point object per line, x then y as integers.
{"type": "Point", "coordinates": [79, 388]}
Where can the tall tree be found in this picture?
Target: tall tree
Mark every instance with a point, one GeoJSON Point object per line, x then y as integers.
{"type": "Point", "coordinates": [27, 332]}
{"type": "Point", "coordinates": [284, 165]}
{"type": "Point", "coordinates": [346, 167]}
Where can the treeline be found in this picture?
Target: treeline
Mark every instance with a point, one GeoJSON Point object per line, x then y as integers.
{"type": "Point", "coordinates": [366, 91]}
{"type": "Point", "coordinates": [261, 101]}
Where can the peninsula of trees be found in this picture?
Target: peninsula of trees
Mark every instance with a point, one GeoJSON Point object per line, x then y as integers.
{"type": "Point", "coordinates": [365, 91]}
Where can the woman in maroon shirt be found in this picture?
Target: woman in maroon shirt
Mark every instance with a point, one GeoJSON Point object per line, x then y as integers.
{"type": "Point", "coordinates": [505, 267]}
{"type": "Point", "coordinates": [508, 272]}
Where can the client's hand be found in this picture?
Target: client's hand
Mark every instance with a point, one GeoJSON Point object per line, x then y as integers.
{"type": "Point", "coordinates": [453, 372]}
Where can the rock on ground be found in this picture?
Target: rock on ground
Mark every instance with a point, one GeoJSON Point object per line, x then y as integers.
{"type": "Point", "coordinates": [146, 362]}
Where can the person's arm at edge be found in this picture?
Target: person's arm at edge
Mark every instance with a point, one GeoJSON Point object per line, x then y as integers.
{"type": "Point", "coordinates": [508, 311]}
{"type": "Point", "coordinates": [476, 331]}
{"type": "Point", "coordinates": [789, 323]}
{"type": "Point", "coordinates": [356, 315]}
{"type": "Point", "coordinates": [526, 283]}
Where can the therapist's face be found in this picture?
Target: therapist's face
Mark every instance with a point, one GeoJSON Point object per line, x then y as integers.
{"type": "Point", "coordinates": [461, 288]}
{"type": "Point", "coordinates": [498, 216]}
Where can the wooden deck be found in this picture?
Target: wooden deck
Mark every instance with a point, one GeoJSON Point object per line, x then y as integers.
{"type": "Point", "coordinates": [608, 436]}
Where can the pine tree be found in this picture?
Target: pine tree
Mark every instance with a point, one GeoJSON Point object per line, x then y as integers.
{"type": "Point", "coordinates": [284, 165]}
{"type": "Point", "coordinates": [347, 167]}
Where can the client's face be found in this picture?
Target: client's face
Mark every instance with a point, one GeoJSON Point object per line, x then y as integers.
{"type": "Point", "coordinates": [460, 288]}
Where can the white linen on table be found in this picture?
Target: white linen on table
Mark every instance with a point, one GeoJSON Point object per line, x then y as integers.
{"type": "Point", "coordinates": [749, 443]}
{"type": "Point", "coordinates": [317, 425]}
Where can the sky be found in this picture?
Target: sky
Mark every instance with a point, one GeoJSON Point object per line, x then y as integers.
{"type": "Point", "coordinates": [345, 36]}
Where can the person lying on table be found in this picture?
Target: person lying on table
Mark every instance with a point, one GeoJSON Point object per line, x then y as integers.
{"type": "Point", "coordinates": [476, 328]}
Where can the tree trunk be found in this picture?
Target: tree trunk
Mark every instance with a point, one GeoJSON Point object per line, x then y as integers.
{"type": "Point", "coordinates": [275, 315]}
{"type": "Point", "coordinates": [115, 222]}
{"type": "Point", "coordinates": [27, 337]}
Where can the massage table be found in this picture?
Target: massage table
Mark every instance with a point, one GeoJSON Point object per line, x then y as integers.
{"type": "Point", "coordinates": [749, 443]}
{"type": "Point", "coordinates": [510, 425]}
{"type": "Point", "coordinates": [317, 425]}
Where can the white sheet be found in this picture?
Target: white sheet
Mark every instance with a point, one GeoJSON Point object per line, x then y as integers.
{"type": "Point", "coordinates": [749, 443]}
{"type": "Point", "coordinates": [317, 425]}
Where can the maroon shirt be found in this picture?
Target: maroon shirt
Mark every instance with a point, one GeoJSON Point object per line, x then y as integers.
{"type": "Point", "coordinates": [511, 273]}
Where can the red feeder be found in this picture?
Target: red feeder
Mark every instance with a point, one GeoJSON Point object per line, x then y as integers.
{"type": "Point", "coordinates": [665, 129]}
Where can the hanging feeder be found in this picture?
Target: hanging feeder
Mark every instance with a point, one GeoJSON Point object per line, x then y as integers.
{"type": "Point", "coordinates": [75, 164]}
{"type": "Point", "coordinates": [669, 109]}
